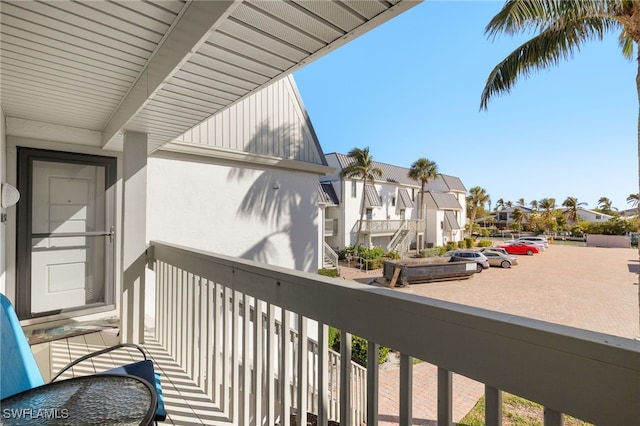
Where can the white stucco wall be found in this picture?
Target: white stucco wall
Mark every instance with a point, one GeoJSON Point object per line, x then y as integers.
{"type": "Point", "coordinates": [234, 210]}
{"type": "Point", "coordinates": [3, 226]}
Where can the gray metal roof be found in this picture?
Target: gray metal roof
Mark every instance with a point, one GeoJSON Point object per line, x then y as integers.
{"type": "Point", "coordinates": [328, 194]}
{"type": "Point", "coordinates": [397, 174]}
{"type": "Point", "coordinates": [373, 198]}
{"type": "Point", "coordinates": [445, 201]}
{"type": "Point", "coordinates": [450, 221]}
{"type": "Point", "coordinates": [405, 198]}
{"type": "Point", "coordinates": [161, 66]}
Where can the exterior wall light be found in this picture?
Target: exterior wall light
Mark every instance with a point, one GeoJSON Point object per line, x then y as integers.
{"type": "Point", "coordinates": [9, 196]}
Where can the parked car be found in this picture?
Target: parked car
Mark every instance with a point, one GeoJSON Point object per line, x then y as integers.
{"type": "Point", "coordinates": [514, 259]}
{"type": "Point", "coordinates": [468, 256]}
{"type": "Point", "coordinates": [498, 259]}
{"type": "Point", "coordinates": [537, 240]}
{"type": "Point", "coordinates": [520, 248]}
{"type": "Point", "coordinates": [541, 247]}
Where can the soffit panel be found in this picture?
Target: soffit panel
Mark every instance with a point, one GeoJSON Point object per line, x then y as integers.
{"type": "Point", "coordinates": [76, 60]}
{"type": "Point", "coordinates": [77, 63]}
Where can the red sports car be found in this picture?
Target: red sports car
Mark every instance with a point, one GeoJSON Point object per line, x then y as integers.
{"type": "Point", "coordinates": [520, 248]}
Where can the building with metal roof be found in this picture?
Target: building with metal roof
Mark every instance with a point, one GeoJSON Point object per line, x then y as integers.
{"type": "Point", "coordinates": [392, 208]}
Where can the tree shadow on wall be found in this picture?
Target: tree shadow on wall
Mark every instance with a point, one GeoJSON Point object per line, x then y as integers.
{"type": "Point", "coordinates": [279, 200]}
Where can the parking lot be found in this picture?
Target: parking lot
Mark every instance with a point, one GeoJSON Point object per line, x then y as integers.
{"type": "Point", "coordinates": [586, 287]}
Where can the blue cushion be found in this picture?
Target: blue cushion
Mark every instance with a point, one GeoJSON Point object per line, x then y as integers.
{"type": "Point", "coordinates": [18, 368]}
{"type": "Point", "coordinates": [144, 370]}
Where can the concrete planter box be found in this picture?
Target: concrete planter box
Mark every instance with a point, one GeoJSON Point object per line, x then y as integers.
{"type": "Point", "coordinates": [426, 270]}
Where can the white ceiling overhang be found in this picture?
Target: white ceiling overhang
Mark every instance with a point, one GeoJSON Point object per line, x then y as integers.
{"type": "Point", "coordinates": [160, 67]}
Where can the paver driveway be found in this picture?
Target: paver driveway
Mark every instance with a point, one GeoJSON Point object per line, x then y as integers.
{"type": "Point", "coordinates": [586, 287]}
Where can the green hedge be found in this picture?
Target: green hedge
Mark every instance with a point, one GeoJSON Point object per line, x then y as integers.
{"type": "Point", "coordinates": [328, 272]}
{"type": "Point", "coordinates": [358, 348]}
{"type": "Point", "coordinates": [485, 243]}
{"type": "Point", "coordinates": [432, 252]}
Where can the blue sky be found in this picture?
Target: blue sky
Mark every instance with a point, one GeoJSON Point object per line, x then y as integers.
{"type": "Point", "coordinates": [411, 88]}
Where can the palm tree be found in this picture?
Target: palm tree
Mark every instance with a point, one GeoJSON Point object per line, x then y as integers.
{"type": "Point", "coordinates": [605, 205]}
{"type": "Point", "coordinates": [518, 217]}
{"type": "Point", "coordinates": [508, 204]}
{"type": "Point", "coordinates": [476, 198]}
{"type": "Point", "coordinates": [561, 28]}
{"type": "Point", "coordinates": [534, 204]}
{"type": "Point", "coordinates": [500, 204]}
{"type": "Point", "coordinates": [571, 205]}
{"type": "Point", "coordinates": [547, 205]}
{"type": "Point", "coordinates": [633, 199]}
{"type": "Point", "coordinates": [361, 168]}
{"type": "Point", "coordinates": [423, 170]}
{"type": "Point", "coordinates": [521, 202]}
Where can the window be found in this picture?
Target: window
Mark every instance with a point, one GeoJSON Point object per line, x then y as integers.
{"type": "Point", "coordinates": [442, 224]}
{"type": "Point", "coordinates": [402, 214]}
{"type": "Point", "coordinates": [413, 194]}
{"type": "Point", "coordinates": [369, 214]}
{"type": "Point", "coordinates": [353, 189]}
{"type": "Point", "coordinates": [393, 201]}
{"type": "Point", "coordinates": [598, 217]}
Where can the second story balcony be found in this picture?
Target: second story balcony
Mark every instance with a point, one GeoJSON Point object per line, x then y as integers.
{"type": "Point", "coordinates": [244, 343]}
{"type": "Point", "coordinates": [386, 227]}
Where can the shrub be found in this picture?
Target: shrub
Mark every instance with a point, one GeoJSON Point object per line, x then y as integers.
{"type": "Point", "coordinates": [468, 243]}
{"type": "Point", "coordinates": [432, 252]}
{"type": "Point", "coordinates": [358, 348]}
{"type": "Point", "coordinates": [461, 244]}
{"type": "Point", "coordinates": [451, 245]}
{"type": "Point", "coordinates": [328, 272]}
{"type": "Point", "coordinates": [485, 243]}
{"type": "Point", "coordinates": [392, 255]}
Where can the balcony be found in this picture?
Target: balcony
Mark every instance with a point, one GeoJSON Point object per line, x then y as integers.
{"type": "Point", "coordinates": [330, 227]}
{"type": "Point", "coordinates": [234, 339]}
{"type": "Point", "coordinates": [385, 227]}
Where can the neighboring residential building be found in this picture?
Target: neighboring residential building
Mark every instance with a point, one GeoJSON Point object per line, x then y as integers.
{"type": "Point", "coordinates": [392, 208]}
{"type": "Point", "coordinates": [250, 178]}
{"type": "Point", "coordinates": [503, 219]}
{"type": "Point", "coordinates": [99, 153]}
{"type": "Point", "coordinates": [593, 216]}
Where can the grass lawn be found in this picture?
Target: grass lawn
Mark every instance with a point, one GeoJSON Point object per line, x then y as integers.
{"type": "Point", "coordinates": [515, 411]}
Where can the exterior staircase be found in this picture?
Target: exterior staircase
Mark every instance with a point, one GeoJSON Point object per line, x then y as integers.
{"type": "Point", "coordinates": [329, 256]}
{"type": "Point", "coordinates": [400, 240]}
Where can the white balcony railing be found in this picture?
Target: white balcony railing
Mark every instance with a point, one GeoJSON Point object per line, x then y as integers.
{"type": "Point", "coordinates": [592, 376]}
{"type": "Point", "coordinates": [387, 227]}
{"type": "Point", "coordinates": [330, 227]}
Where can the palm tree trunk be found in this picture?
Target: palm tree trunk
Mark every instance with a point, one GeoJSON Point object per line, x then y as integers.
{"type": "Point", "coordinates": [364, 194]}
{"type": "Point", "coordinates": [422, 218]}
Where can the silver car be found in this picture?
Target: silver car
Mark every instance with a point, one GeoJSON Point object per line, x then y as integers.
{"type": "Point", "coordinates": [499, 259]}
{"type": "Point", "coordinates": [514, 259]}
{"type": "Point", "coordinates": [468, 256]}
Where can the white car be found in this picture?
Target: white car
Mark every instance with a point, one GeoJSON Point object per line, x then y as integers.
{"type": "Point", "coordinates": [537, 241]}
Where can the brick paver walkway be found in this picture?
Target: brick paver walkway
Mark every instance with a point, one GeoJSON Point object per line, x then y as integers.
{"type": "Point", "coordinates": [585, 287]}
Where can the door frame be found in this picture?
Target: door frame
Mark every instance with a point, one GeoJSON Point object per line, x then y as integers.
{"type": "Point", "coordinates": [25, 159]}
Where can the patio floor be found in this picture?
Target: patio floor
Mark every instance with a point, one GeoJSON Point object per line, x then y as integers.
{"type": "Point", "coordinates": [186, 403]}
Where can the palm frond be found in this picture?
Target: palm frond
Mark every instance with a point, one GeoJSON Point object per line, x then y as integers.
{"type": "Point", "coordinates": [626, 45]}
{"type": "Point", "coordinates": [519, 16]}
{"type": "Point", "coordinates": [558, 41]}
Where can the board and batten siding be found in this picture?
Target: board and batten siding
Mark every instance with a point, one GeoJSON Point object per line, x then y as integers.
{"type": "Point", "coordinates": [272, 122]}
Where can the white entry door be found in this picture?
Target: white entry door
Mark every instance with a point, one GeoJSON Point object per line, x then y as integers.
{"type": "Point", "coordinates": [71, 236]}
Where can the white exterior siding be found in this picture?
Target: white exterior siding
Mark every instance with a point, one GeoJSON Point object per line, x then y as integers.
{"type": "Point", "coordinates": [388, 188]}
{"type": "Point", "coordinates": [235, 210]}
{"type": "Point", "coordinates": [593, 216]}
{"type": "Point", "coordinates": [252, 205]}
{"type": "Point", "coordinates": [3, 176]}
{"type": "Point", "coordinates": [270, 122]}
